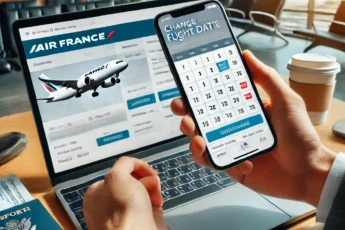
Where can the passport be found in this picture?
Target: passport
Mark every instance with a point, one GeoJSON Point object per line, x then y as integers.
{"type": "Point", "coordinates": [28, 216]}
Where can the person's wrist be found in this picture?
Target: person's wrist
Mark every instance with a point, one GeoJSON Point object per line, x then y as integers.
{"type": "Point", "coordinates": [134, 219]}
{"type": "Point", "coordinates": [119, 220]}
{"type": "Point", "coordinates": [322, 161]}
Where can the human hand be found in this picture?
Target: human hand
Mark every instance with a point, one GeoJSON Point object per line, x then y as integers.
{"type": "Point", "coordinates": [298, 166]}
{"type": "Point", "coordinates": [128, 198]}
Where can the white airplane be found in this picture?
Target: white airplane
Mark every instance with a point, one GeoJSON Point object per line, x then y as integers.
{"type": "Point", "coordinates": [106, 75]}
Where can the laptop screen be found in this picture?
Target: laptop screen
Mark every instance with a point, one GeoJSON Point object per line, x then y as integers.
{"type": "Point", "coordinates": [102, 85]}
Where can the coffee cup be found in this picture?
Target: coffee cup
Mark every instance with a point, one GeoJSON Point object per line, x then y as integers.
{"type": "Point", "coordinates": [313, 77]}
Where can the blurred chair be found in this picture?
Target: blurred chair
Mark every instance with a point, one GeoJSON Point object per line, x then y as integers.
{"type": "Point", "coordinates": [225, 3]}
{"type": "Point", "coordinates": [239, 9]}
{"type": "Point", "coordinates": [334, 38]}
{"type": "Point", "coordinates": [74, 7]}
{"type": "Point", "coordinates": [264, 17]}
{"type": "Point", "coordinates": [14, 14]}
{"type": "Point", "coordinates": [5, 67]}
{"type": "Point", "coordinates": [18, 5]}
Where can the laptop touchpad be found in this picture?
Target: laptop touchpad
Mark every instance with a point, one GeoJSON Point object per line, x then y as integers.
{"type": "Point", "coordinates": [234, 208]}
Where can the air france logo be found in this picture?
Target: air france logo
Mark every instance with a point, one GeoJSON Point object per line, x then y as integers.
{"type": "Point", "coordinates": [71, 42]}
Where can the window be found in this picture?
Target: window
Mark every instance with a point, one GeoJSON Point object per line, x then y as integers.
{"type": "Point", "coordinates": [300, 14]}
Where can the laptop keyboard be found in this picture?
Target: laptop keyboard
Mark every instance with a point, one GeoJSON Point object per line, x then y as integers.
{"type": "Point", "coordinates": [182, 181]}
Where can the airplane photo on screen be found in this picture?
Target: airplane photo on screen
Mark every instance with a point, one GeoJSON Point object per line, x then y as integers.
{"type": "Point", "coordinates": [106, 75]}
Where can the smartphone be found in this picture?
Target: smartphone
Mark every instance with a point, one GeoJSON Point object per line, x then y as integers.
{"type": "Point", "coordinates": [215, 83]}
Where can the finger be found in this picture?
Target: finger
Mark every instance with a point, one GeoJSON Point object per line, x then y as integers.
{"type": "Point", "coordinates": [240, 171]}
{"type": "Point", "coordinates": [92, 193]}
{"type": "Point", "coordinates": [93, 189]}
{"type": "Point", "coordinates": [158, 217]}
{"type": "Point", "coordinates": [246, 167]}
{"type": "Point", "coordinates": [266, 103]}
{"type": "Point", "coordinates": [236, 173]}
{"type": "Point", "coordinates": [178, 108]}
{"type": "Point", "coordinates": [267, 106]}
{"type": "Point", "coordinates": [125, 167]}
{"type": "Point", "coordinates": [197, 148]}
{"type": "Point", "coordinates": [266, 77]}
{"type": "Point", "coordinates": [153, 187]}
{"type": "Point", "coordinates": [187, 126]}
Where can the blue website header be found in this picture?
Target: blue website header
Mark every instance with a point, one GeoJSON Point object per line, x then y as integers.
{"type": "Point", "coordinates": [88, 38]}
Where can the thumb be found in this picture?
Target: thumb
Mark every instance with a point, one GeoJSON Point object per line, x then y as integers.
{"type": "Point", "coordinates": [267, 77]}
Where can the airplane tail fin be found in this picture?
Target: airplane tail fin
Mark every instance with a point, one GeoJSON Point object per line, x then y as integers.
{"type": "Point", "coordinates": [49, 87]}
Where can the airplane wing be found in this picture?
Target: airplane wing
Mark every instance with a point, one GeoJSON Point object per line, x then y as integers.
{"type": "Point", "coordinates": [63, 83]}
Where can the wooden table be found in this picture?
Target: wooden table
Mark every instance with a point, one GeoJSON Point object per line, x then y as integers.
{"type": "Point", "coordinates": [30, 167]}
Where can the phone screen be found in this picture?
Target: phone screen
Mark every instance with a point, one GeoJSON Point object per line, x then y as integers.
{"type": "Point", "coordinates": [220, 94]}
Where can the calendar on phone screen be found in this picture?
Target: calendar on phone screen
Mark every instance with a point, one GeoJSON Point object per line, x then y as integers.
{"type": "Point", "coordinates": [217, 86]}
{"type": "Point", "coordinates": [222, 98]}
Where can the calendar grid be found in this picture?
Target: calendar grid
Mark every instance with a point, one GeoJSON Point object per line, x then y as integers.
{"type": "Point", "coordinates": [217, 86]}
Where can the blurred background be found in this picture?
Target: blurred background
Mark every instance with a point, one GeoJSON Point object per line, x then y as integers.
{"type": "Point", "coordinates": [273, 30]}
{"type": "Point", "coordinates": [299, 14]}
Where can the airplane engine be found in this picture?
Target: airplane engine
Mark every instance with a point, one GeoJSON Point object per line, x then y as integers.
{"type": "Point", "coordinates": [84, 82]}
{"type": "Point", "coordinates": [109, 83]}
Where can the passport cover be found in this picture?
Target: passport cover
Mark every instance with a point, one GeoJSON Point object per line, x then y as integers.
{"type": "Point", "coordinates": [28, 216]}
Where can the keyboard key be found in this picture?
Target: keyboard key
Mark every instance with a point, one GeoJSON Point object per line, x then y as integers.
{"type": "Point", "coordinates": [210, 179]}
{"type": "Point", "coordinates": [74, 188]}
{"type": "Point", "coordinates": [164, 197]}
{"type": "Point", "coordinates": [198, 184]}
{"type": "Point", "coordinates": [185, 169]}
{"type": "Point", "coordinates": [163, 187]}
{"type": "Point", "coordinates": [82, 191]}
{"type": "Point", "coordinates": [172, 173]}
{"type": "Point", "coordinates": [208, 172]}
{"type": "Point", "coordinates": [222, 175]}
{"type": "Point", "coordinates": [195, 166]}
{"type": "Point", "coordinates": [191, 196]}
{"type": "Point", "coordinates": [184, 179]}
{"type": "Point", "coordinates": [172, 183]}
{"type": "Point", "coordinates": [186, 159]}
{"type": "Point", "coordinates": [84, 226]}
{"type": "Point", "coordinates": [162, 177]}
{"type": "Point", "coordinates": [185, 188]}
{"type": "Point", "coordinates": [226, 183]}
{"type": "Point", "coordinates": [172, 163]}
{"type": "Point", "coordinates": [161, 167]}
{"type": "Point", "coordinates": [172, 193]}
{"type": "Point", "coordinates": [83, 185]}
{"type": "Point", "coordinates": [72, 196]}
{"type": "Point", "coordinates": [76, 206]}
{"type": "Point", "coordinates": [196, 175]}
{"type": "Point", "coordinates": [80, 217]}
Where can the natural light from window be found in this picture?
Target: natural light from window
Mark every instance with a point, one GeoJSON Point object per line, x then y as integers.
{"type": "Point", "coordinates": [297, 13]}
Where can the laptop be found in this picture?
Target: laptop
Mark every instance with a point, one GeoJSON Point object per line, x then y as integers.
{"type": "Point", "coordinates": [100, 88]}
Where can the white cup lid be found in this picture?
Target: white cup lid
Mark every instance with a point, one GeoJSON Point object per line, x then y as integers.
{"type": "Point", "coordinates": [328, 71]}
{"type": "Point", "coordinates": [313, 61]}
